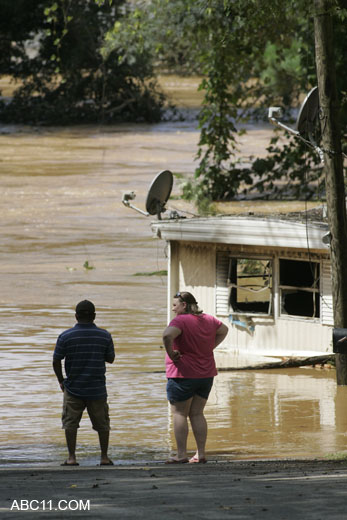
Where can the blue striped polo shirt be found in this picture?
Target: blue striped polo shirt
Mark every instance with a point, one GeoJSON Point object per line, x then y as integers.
{"type": "Point", "coordinates": [85, 348]}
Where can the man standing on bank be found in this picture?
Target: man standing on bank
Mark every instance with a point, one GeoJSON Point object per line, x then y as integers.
{"type": "Point", "coordinates": [189, 341]}
{"type": "Point", "coordinates": [85, 348]}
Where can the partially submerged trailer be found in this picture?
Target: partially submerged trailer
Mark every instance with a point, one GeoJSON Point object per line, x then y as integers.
{"type": "Point", "coordinates": [267, 277]}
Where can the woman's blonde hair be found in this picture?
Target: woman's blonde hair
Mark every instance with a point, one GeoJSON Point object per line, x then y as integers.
{"type": "Point", "coordinates": [190, 301]}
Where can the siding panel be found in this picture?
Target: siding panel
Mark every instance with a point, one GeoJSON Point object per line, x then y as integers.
{"type": "Point", "coordinates": [197, 268]}
{"type": "Point", "coordinates": [326, 295]}
{"type": "Point", "coordinates": [222, 290]}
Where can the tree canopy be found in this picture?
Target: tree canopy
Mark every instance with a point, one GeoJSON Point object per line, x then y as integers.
{"type": "Point", "coordinates": [53, 51]}
{"type": "Point", "coordinates": [251, 55]}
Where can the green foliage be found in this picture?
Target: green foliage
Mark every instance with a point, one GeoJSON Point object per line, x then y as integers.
{"type": "Point", "coordinates": [18, 21]}
{"type": "Point", "coordinates": [66, 78]}
{"type": "Point", "coordinates": [96, 60]}
{"type": "Point", "coordinates": [200, 195]}
{"type": "Point", "coordinates": [247, 64]}
{"type": "Point", "coordinates": [245, 70]}
{"type": "Point", "coordinates": [282, 68]}
{"type": "Point", "coordinates": [292, 171]}
{"type": "Point", "coordinates": [159, 30]}
{"type": "Point", "coordinates": [87, 266]}
{"type": "Point", "coordinates": [337, 455]}
{"type": "Point", "coordinates": [217, 143]}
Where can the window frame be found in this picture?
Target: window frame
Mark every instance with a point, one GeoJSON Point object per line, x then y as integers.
{"type": "Point", "coordinates": [300, 288]}
{"type": "Point", "coordinates": [323, 286]}
{"type": "Point", "coordinates": [227, 286]}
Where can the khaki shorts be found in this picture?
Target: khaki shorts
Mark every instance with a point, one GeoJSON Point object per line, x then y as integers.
{"type": "Point", "coordinates": [73, 408]}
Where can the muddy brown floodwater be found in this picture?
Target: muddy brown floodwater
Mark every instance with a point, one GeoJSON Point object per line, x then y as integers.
{"type": "Point", "coordinates": [65, 236]}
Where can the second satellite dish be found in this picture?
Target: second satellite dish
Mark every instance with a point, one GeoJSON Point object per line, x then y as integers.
{"type": "Point", "coordinates": [306, 123]}
{"type": "Point", "coordinates": [308, 114]}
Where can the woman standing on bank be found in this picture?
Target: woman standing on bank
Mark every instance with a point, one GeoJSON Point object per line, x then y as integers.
{"type": "Point", "coordinates": [189, 341]}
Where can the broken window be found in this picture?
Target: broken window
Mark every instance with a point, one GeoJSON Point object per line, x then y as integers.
{"type": "Point", "coordinates": [299, 288]}
{"type": "Point", "coordinates": [250, 280]}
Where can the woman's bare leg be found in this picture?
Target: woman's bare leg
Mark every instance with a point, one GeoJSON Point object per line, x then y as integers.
{"type": "Point", "coordinates": [180, 412]}
{"type": "Point", "coordinates": [199, 424]}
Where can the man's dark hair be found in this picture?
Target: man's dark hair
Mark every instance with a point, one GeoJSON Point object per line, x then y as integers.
{"type": "Point", "coordinates": [85, 310]}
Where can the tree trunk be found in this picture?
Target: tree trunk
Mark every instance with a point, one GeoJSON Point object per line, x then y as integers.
{"type": "Point", "coordinates": [333, 166]}
{"type": "Point", "coordinates": [287, 363]}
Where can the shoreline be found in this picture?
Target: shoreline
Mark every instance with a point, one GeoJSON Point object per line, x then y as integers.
{"type": "Point", "coordinates": [273, 489]}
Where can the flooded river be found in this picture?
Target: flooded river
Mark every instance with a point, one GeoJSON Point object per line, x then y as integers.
{"type": "Point", "coordinates": [65, 236]}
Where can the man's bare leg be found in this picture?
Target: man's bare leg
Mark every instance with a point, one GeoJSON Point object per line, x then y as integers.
{"type": "Point", "coordinates": [71, 436]}
{"type": "Point", "coordinates": [103, 440]}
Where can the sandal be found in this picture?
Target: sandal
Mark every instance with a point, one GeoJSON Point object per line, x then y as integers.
{"type": "Point", "coordinates": [175, 461]}
{"type": "Point", "coordinates": [195, 460]}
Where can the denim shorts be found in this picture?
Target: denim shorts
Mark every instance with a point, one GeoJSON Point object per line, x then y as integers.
{"type": "Point", "coordinates": [182, 389]}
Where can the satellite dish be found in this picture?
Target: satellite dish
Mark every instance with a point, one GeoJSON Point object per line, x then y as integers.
{"type": "Point", "coordinates": [158, 194]}
{"type": "Point", "coordinates": [306, 120]}
{"type": "Point", "coordinates": [308, 113]}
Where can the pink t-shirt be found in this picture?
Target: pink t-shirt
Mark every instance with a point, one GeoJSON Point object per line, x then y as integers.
{"type": "Point", "coordinates": [195, 343]}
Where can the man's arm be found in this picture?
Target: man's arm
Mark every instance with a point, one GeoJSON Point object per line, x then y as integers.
{"type": "Point", "coordinates": [169, 334]}
{"type": "Point", "coordinates": [110, 354]}
{"type": "Point", "coordinates": [221, 334]}
{"type": "Point", "coordinates": [58, 372]}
